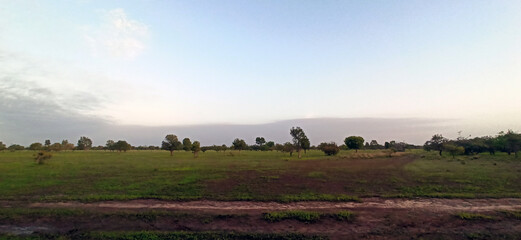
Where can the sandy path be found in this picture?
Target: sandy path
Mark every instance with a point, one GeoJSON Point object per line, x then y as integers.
{"type": "Point", "coordinates": [427, 204]}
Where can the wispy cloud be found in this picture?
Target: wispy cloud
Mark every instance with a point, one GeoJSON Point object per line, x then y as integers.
{"type": "Point", "coordinates": [117, 36]}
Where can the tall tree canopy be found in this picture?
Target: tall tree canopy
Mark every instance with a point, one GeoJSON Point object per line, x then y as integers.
{"type": "Point", "coordinates": [354, 142]}
{"type": "Point", "coordinates": [298, 137]}
{"type": "Point", "coordinates": [84, 143]}
{"type": "Point", "coordinates": [170, 143]}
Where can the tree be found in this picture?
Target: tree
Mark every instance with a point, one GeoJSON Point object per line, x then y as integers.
{"type": "Point", "coordinates": [170, 143]}
{"type": "Point", "coordinates": [305, 144]}
{"type": "Point", "coordinates": [55, 147]}
{"type": "Point", "coordinates": [354, 142]}
{"type": "Point", "coordinates": [387, 145]}
{"type": "Point", "coordinates": [270, 145]}
{"type": "Point", "coordinates": [510, 142]}
{"type": "Point", "coordinates": [47, 143]}
{"type": "Point", "coordinates": [2, 146]}
{"type": "Point", "coordinates": [239, 144]}
{"type": "Point", "coordinates": [110, 145]}
{"type": "Point", "coordinates": [84, 143]}
{"type": "Point", "coordinates": [288, 147]}
{"type": "Point", "coordinates": [196, 147]}
{"type": "Point", "coordinates": [36, 146]}
{"type": "Point", "coordinates": [122, 145]}
{"type": "Point", "coordinates": [329, 148]}
{"type": "Point", "coordinates": [298, 137]}
{"type": "Point", "coordinates": [260, 141]}
{"type": "Point", "coordinates": [454, 149]}
{"type": "Point", "coordinates": [436, 143]}
{"type": "Point", "coordinates": [224, 148]}
{"type": "Point", "coordinates": [66, 145]}
{"type": "Point", "coordinates": [187, 144]}
{"type": "Point", "coordinates": [15, 147]}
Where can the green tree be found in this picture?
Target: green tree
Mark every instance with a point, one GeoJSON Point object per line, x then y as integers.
{"type": "Point", "coordinates": [305, 144]}
{"type": "Point", "coordinates": [436, 143]}
{"type": "Point", "coordinates": [329, 148]}
{"type": "Point", "coordinates": [288, 147]}
{"type": "Point", "coordinates": [55, 147]}
{"type": "Point", "coordinates": [187, 144]}
{"type": "Point", "coordinates": [84, 143]}
{"type": "Point", "coordinates": [170, 143]}
{"type": "Point", "coordinates": [110, 145]}
{"type": "Point", "coordinates": [66, 145]}
{"type": "Point", "coordinates": [122, 145]}
{"type": "Point", "coordinates": [36, 146]}
{"type": "Point", "coordinates": [239, 144]}
{"type": "Point", "coordinates": [260, 141]}
{"type": "Point", "coordinates": [196, 148]}
{"type": "Point", "coordinates": [47, 143]}
{"type": "Point", "coordinates": [453, 149]}
{"type": "Point", "coordinates": [354, 142]}
{"type": "Point", "coordinates": [15, 147]}
{"type": "Point", "coordinates": [2, 146]}
{"type": "Point", "coordinates": [298, 137]}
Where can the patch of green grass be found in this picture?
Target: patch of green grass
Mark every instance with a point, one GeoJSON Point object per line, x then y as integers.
{"type": "Point", "coordinates": [308, 216]}
{"type": "Point", "coordinates": [316, 174]}
{"type": "Point", "coordinates": [345, 216]}
{"type": "Point", "coordinates": [318, 197]}
{"type": "Point", "coordinates": [513, 214]}
{"type": "Point", "coordinates": [302, 216]}
{"type": "Point", "coordinates": [474, 216]}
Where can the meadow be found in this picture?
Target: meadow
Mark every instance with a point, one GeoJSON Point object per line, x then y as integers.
{"type": "Point", "coordinates": [255, 175]}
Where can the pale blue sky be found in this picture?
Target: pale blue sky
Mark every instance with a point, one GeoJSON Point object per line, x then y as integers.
{"type": "Point", "coordinates": [160, 63]}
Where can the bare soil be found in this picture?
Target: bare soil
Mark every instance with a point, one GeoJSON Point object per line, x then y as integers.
{"type": "Point", "coordinates": [377, 218]}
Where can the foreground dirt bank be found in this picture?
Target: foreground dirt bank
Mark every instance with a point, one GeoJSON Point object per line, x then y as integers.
{"type": "Point", "coordinates": [376, 218]}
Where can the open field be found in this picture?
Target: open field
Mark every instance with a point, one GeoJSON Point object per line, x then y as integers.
{"type": "Point", "coordinates": [259, 195]}
{"type": "Point", "coordinates": [261, 176]}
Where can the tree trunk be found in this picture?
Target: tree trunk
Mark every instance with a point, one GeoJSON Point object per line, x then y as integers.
{"type": "Point", "coordinates": [171, 153]}
{"type": "Point", "coordinates": [440, 152]}
{"type": "Point", "coordinates": [299, 154]}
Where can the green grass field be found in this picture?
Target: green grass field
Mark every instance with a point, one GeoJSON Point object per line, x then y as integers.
{"type": "Point", "coordinates": [263, 176]}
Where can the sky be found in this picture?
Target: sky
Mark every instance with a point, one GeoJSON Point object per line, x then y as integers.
{"type": "Point", "coordinates": [82, 67]}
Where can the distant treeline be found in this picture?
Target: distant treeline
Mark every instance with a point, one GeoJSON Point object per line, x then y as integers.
{"type": "Point", "coordinates": [509, 142]}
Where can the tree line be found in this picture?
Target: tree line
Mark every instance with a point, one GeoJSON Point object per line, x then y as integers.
{"type": "Point", "coordinates": [509, 142]}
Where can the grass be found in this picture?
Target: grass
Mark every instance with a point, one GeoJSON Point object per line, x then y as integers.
{"type": "Point", "coordinates": [165, 235]}
{"type": "Point", "coordinates": [474, 216]}
{"type": "Point", "coordinates": [513, 214]}
{"type": "Point", "coordinates": [307, 216]}
{"type": "Point", "coordinates": [259, 176]}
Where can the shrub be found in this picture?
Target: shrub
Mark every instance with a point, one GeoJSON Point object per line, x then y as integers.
{"type": "Point", "coordinates": [344, 216]}
{"type": "Point", "coordinates": [302, 216]}
{"type": "Point", "coordinates": [41, 156]}
{"type": "Point", "coordinates": [473, 216]}
{"type": "Point", "coordinates": [329, 148]}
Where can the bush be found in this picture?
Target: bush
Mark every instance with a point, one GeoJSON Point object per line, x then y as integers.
{"type": "Point", "coordinates": [41, 156]}
{"type": "Point", "coordinates": [329, 149]}
{"type": "Point", "coordinates": [302, 216]}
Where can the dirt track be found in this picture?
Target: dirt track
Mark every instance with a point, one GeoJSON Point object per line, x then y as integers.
{"type": "Point", "coordinates": [428, 204]}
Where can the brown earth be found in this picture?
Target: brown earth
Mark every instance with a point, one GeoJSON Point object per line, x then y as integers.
{"type": "Point", "coordinates": [376, 218]}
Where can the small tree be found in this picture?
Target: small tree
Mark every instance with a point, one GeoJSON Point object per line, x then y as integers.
{"type": "Point", "coordinates": [288, 147]}
{"type": "Point", "coordinates": [170, 143]}
{"type": "Point", "coordinates": [260, 141]}
{"type": "Point", "coordinates": [84, 143]}
{"type": "Point", "coordinates": [305, 144]}
{"type": "Point", "coordinates": [224, 148]}
{"type": "Point", "coordinates": [329, 149]}
{"type": "Point", "coordinates": [41, 157]}
{"type": "Point", "coordinates": [354, 142]}
{"type": "Point", "coordinates": [298, 137]}
{"type": "Point", "coordinates": [122, 146]}
{"type": "Point", "coordinates": [196, 147]}
{"type": "Point", "coordinates": [187, 144]}
{"type": "Point", "coordinates": [15, 147]}
{"type": "Point", "coordinates": [66, 145]}
{"type": "Point", "coordinates": [454, 149]}
{"type": "Point", "coordinates": [55, 147]}
{"type": "Point", "coordinates": [239, 144]}
{"type": "Point", "coordinates": [110, 145]}
{"type": "Point", "coordinates": [47, 143]}
{"type": "Point", "coordinates": [436, 143]}
{"type": "Point", "coordinates": [36, 146]}
{"type": "Point", "coordinates": [2, 146]}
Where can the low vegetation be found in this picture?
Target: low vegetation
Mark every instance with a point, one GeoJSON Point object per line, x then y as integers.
{"type": "Point", "coordinates": [474, 216]}
{"type": "Point", "coordinates": [307, 216]}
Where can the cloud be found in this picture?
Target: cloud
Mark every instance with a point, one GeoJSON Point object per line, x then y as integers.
{"type": "Point", "coordinates": [117, 36]}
